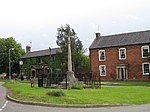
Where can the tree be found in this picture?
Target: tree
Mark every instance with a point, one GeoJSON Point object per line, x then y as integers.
{"type": "Point", "coordinates": [27, 63]}
{"type": "Point", "coordinates": [85, 64]}
{"type": "Point", "coordinates": [76, 46]}
{"type": "Point", "coordinates": [5, 45]}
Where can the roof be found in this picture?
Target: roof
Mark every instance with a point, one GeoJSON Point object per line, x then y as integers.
{"type": "Point", "coordinates": [41, 53]}
{"type": "Point", "coordinates": [132, 38]}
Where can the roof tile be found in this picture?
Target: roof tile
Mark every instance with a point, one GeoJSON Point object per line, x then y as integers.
{"type": "Point", "coordinates": [40, 53]}
{"type": "Point", "coordinates": [141, 37]}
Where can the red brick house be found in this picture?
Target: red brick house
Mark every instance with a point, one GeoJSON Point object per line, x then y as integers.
{"type": "Point", "coordinates": [121, 56]}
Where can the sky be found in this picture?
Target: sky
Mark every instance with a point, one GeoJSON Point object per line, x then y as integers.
{"type": "Point", "coordinates": [35, 22]}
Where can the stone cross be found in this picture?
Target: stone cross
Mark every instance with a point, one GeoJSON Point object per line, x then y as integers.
{"type": "Point", "coordinates": [70, 74]}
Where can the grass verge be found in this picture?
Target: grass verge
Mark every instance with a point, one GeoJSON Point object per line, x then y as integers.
{"type": "Point", "coordinates": [130, 93]}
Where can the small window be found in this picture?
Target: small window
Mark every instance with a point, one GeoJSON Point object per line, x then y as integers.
{"type": "Point", "coordinates": [146, 68]}
{"type": "Point", "coordinates": [102, 69]}
{"type": "Point", "coordinates": [101, 55]}
{"type": "Point", "coordinates": [122, 53]}
{"type": "Point", "coordinates": [145, 51]}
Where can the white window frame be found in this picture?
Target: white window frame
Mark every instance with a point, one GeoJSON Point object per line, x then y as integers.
{"type": "Point", "coordinates": [100, 55]}
{"type": "Point", "coordinates": [142, 50]}
{"type": "Point", "coordinates": [104, 69]}
{"type": "Point", "coordinates": [143, 68]}
{"type": "Point", "coordinates": [120, 53]}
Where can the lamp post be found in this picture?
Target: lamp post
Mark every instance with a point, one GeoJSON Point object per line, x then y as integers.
{"type": "Point", "coordinates": [21, 63]}
{"type": "Point", "coordinates": [11, 49]}
{"type": "Point", "coordinates": [50, 63]}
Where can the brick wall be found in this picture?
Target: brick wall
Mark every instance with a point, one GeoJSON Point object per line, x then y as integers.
{"type": "Point", "coordinates": [133, 59]}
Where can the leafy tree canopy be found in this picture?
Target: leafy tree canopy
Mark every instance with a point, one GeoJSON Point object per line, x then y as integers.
{"type": "Point", "coordinates": [76, 46]}
{"type": "Point", "coordinates": [5, 45]}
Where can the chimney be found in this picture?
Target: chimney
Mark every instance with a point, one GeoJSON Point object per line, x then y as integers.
{"type": "Point", "coordinates": [98, 35]}
{"type": "Point", "coordinates": [28, 49]}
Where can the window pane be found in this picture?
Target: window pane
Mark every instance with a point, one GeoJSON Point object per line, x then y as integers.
{"type": "Point", "coordinates": [102, 70]}
{"type": "Point", "coordinates": [122, 53]}
{"type": "Point", "coordinates": [146, 68]}
{"type": "Point", "coordinates": [102, 55]}
{"type": "Point", "coordinates": [145, 51]}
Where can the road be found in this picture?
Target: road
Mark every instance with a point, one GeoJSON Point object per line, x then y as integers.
{"type": "Point", "coordinates": [8, 106]}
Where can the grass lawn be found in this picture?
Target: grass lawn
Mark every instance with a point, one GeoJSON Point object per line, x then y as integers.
{"type": "Point", "coordinates": [130, 93]}
{"type": "Point", "coordinates": [17, 80]}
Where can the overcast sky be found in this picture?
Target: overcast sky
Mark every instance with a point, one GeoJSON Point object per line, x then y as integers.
{"type": "Point", "coordinates": [37, 21]}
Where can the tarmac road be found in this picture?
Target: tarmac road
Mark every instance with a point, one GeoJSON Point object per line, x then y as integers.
{"type": "Point", "coordinates": [8, 106]}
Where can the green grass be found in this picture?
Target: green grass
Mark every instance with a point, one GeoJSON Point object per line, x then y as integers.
{"type": "Point", "coordinates": [130, 93]}
{"type": "Point", "coordinates": [17, 80]}
{"type": "Point", "coordinates": [131, 83]}
{"type": "Point", "coordinates": [4, 80]}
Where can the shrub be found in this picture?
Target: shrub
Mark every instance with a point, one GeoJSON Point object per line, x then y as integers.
{"type": "Point", "coordinates": [57, 93]}
{"type": "Point", "coordinates": [93, 86]}
{"type": "Point", "coordinates": [13, 82]}
{"type": "Point", "coordinates": [77, 86]}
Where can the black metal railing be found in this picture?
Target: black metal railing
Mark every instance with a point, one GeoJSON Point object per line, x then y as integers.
{"type": "Point", "coordinates": [90, 79]}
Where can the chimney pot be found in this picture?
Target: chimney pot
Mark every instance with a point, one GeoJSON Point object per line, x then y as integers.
{"type": "Point", "coordinates": [98, 35]}
{"type": "Point", "coordinates": [28, 49]}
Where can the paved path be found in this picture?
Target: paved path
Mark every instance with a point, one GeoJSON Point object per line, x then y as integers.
{"type": "Point", "coordinates": [8, 106]}
{"type": "Point", "coordinates": [3, 101]}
